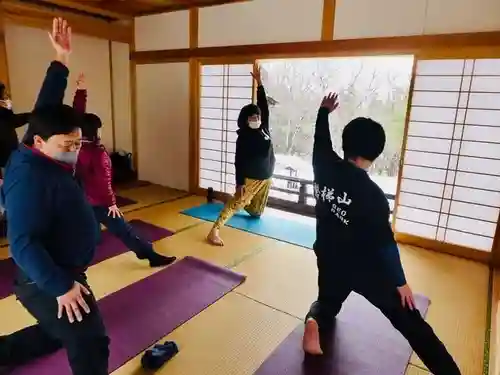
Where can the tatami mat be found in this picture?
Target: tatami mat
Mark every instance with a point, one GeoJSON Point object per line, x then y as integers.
{"type": "Point", "coordinates": [167, 215]}
{"type": "Point", "coordinates": [458, 290]}
{"type": "Point", "coordinates": [413, 370]}
{"type": "Point", "coordinates": [192, 241]}
{"type": "Point", "coordinates": [284, 277]}
{"type": "Point", "coordinates": [232, 337]}
{"type": "Point", "coordinates": [236, 334]}
{"type": "Point", "coordinates": [148, 195]}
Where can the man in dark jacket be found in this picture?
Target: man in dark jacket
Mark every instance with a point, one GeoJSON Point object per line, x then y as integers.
{"type": "Point", "coordinates": [9, 122]}
{"type": "Point", "coordinates": [53, 233]}
{"type": "Point", "coordinates": [254, 162]}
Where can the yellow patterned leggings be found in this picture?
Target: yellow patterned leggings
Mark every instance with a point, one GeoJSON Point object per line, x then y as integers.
{"type": "Point", "coordinates": [253, 200]}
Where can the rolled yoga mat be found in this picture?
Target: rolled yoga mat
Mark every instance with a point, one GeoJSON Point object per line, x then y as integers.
{"type": "Point", "coordinates": [269, 225]}
{"type": "Point", "coordinates": [109, 247]}
{"type": "Point", "coordinates": [124, 201]}
{"type": "Point", "coordinates": [143, 313]}
{"type": "Point", "coordinates": [364, 343]}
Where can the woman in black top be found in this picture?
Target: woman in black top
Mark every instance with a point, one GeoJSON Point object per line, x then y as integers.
{"type": "Point", "coordinates": [254, 162]}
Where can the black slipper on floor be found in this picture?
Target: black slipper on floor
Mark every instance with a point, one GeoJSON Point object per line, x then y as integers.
{"type": "Point", "coordinates": [156, 357]}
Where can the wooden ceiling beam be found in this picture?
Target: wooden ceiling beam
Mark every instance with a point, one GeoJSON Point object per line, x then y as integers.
{"type": "Point", "coordinates": [41, 17]}
{"type": "Point", "coordinates": [188, 4]}
{"type": "Point", "coordinates": [95, 9]}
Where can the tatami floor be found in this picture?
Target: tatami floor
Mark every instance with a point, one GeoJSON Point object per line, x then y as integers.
{"type": "Point", "coordinates": [237, 333]}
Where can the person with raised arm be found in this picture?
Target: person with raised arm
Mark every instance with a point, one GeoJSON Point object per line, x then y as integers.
{"type": "Point", "coordinates": [9, 122]}
{"type": "Point", "coordinates": [254, 162]}
{"type": "Point", "coordinates": [52, 232]}
{"type": "Point", "coordinates": [355, 246]}
{"type": "Point", "coordinates": [94, 171]}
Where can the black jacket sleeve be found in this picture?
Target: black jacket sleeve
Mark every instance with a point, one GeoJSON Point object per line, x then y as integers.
{"type": "Point", "coordinates": [263, 106]}
{"type": "Point", "coordinates": [53, 86]}
{"type": "Point", "coordinates": [20, 119]}
{"type": "Point", "coordinates": [239, 159]}
{"type": "Point", "coordinates": [323, 147]}
{"type": "Point", "coordinates": [52, 91]}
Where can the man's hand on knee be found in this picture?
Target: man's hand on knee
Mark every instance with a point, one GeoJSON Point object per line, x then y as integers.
{"type": "Point", "coordinates": [73, 302]}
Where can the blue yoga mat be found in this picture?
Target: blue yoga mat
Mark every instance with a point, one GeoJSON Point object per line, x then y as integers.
{"type": "Point", "coordinates": [268, 225]}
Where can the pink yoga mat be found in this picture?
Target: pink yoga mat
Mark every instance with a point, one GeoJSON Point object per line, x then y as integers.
{"type": "Point", "coordinates": [364, 343]}
{"type": "Point", "coordinates": [109, 247]}
{"type": "Point", "coordinates": [143, 313]}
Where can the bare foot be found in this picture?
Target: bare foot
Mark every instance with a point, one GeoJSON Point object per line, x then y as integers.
{"type": "Point", "coordinates": [214, 238]}
{"type": "Point", "coordinates": [310, 341]}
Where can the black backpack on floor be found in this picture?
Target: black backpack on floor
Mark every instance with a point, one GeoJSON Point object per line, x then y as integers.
{"type": "Point", "coordinates": [123, 170]}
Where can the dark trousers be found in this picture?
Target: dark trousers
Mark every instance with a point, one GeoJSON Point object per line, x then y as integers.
{"type": "Point", "coordinates": [124, 231]}
{"type": "Point", "coordinates": [86, 342]}
{"type": "Point", "coordinates": [335, 285]}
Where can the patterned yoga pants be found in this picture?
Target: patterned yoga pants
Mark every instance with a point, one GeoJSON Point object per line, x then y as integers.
{"type": "Point", "coordinates": [253, 200]}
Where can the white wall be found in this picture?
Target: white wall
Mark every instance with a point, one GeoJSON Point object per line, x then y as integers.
{"type": "Point", "coordinates": [162, 31]}
{"type": "Point", "coordinates": [29, 53]}
{"type": "Point", "coordinates": [385, 18]}
{"type": "Point", "coordinates": [163, 124]}
{"type": "Point", "coordinates": [121, 96]}
{"type": "Point", "coordinates": [260, 21]}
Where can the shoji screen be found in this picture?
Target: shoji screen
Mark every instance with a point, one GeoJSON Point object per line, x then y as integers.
{"type": "Point", "coordinates": [225, 89]}
{"type": "Point", "coordinates": [450, 187]}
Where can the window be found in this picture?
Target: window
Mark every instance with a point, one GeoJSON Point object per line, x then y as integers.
{"type": "Point", "coordinates": [225, 89]}
{"type": "Point", "coordinates": [371, 86]}
{"type": "Point", "coordinates": [450, 187]}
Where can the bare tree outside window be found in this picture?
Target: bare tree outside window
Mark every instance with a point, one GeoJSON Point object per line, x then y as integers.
{"type": "Point", "coordinates": [375, 87]}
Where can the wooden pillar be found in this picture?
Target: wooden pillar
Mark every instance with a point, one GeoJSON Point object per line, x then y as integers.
{"type": "Point", "coordinates": [194, 103]}
{"type": "Point", "coordinates": [328, 19]}
{"type": "Point", "coordinates": [4, 66]}
{"type": "Point", "coordinates": [133, 104]}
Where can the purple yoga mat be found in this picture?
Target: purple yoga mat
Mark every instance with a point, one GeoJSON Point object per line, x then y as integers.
{"type": "Point", "coordinates": [143, 313]}
{"type": "Point", "coordinates": [364, 343]}
{"type": "Point", "coordinates": [109, 247]}
{"type": "Point", "coordinates": [124, 201]}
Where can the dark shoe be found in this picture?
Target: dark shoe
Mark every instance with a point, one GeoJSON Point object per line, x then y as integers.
{"type": "Point", "coordinates": [155, 358]}
{"type": "Point", "coordinates": [155, 259]}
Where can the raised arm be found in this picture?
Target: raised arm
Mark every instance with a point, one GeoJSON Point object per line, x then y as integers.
{"type": "Point", "coordinates": [323, 147]}
{"type": "Point", "coordinates": [27, 231]}
{"type": "Point", "coordinates": [20, 119]}
{"type": "Point", "coordinates": [261, 98]}
{"type": "Point", "coordinates": [80, 98]}
{"type": "Point", "coordinates": [56, 79]}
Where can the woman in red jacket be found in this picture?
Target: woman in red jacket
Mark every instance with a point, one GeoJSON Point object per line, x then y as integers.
{"type": "Point", "coordinates": [95, 173]}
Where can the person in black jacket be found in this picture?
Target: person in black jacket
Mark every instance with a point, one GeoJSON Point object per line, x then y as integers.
{"type": "Point", "coordinates": [254, 162]}
{"type": "Point", "coordinates": [355, 246]}
{"type": "Point", "coordinates": [9, 122]}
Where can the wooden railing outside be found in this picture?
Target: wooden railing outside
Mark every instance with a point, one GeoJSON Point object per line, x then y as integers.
{"type": "Point", "coordinates": [296, 195]}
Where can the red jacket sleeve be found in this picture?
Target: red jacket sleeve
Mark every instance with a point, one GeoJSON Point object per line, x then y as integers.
{"type": "Point", "coordinates": [80, 101]}
{"type": "Point", "coordinates": [104, 171]}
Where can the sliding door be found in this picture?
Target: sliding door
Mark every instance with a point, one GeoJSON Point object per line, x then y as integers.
{"type": "Point", "coordinates": [449, 190]}
{"type": "Point", "coordinates": [225, 89]}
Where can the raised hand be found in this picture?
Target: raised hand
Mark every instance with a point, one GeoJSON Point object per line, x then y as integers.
{"type": "Point", "coordinates": [80, 82]}
{"type": "Point", "coordinates": [330, 102]}
{"type": "Point", "coordinates": [60, 37]}
{"type": "Point", "coordinates": [256, 74]}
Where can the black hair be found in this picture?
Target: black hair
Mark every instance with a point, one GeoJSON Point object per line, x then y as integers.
{"type": "Point", "coordinates": [245, 113]}
{"type": "Point", "coordinates": [91, 124]}
{"type": "Point", "coordinates": [52, 120]}
{"type": "Point", "coordinates": [3, 91]}
{"type": "Point", "coordinates": [363, 137]}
